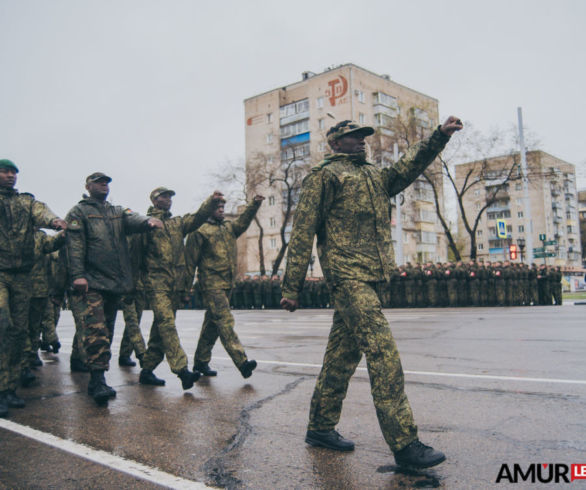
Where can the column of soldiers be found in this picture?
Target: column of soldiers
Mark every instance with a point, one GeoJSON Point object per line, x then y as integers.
{"type": "Point", "coordinates": [420, 286]}
{"type": "Point", "coordinates": [107, 258]}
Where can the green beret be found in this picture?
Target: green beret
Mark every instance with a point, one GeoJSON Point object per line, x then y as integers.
{"type": "Point", "coordinates": [8, 164]}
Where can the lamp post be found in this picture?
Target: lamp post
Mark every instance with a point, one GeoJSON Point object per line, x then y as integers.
{"type": "Point", "coordinates": [521, 243]}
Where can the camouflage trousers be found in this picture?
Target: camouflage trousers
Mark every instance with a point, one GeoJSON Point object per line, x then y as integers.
{"type": "Point", "coordinates": [218, 322]}
{"type": "Point", "coordinates": [15, 290]}
{"type": "Point", "coordinates": [132, 339]}
{"type": "Point", "coordinates": [95, 315]}
{"type": "Point", "coordinates": [360, 327]}
{"type": "Point", "coordinates": [164, 339]}
{"type": "Point", "coordinates": [35, 325]}
{"type": "Point", "coordinates": [50, 320]}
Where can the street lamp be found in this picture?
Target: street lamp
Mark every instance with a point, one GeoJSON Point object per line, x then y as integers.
{"type": "Point", "coordinates": [521, 243]}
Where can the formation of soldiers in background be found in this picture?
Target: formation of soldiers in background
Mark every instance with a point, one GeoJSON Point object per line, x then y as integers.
{"type": "Point", "coordinates": [420, 286]}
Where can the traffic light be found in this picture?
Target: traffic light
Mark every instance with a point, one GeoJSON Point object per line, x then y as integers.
{"type": "Point", "coordinates": [513, 252]}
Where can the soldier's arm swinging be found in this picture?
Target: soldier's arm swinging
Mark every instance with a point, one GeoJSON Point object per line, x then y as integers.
{"type": "Point", "coordinates": [241, 224]}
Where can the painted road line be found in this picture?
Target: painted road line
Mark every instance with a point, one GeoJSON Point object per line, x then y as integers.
{"type": "Point", "coordinates": [438, 374]}
{"type": "Point", "coordinates": [103, 458]}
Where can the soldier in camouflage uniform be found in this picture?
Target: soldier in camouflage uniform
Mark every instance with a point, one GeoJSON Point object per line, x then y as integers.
{"type": "Point", "coordinates": [44, 245]}
{"type": "Point", "coordinates": [345, 202]}
{"type": "Point", "coordinates": [57, 284]}
{"type": "Point", "coordinates": [20, 216]}
{"type": "Point", "coordinates": [166, 283]}
{"type": "Point", "coordinates": [98, 266]}
{"type": "Point", "coordinates": [212, 251]}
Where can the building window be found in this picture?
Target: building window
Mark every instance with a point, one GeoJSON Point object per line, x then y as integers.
{"type": "Point", "coordinates": [518, 186]}
{"type": "Point", "coordinates": [519, 214]}
{"type": "Point", "coordinates": [273, 243]}
{"type": "Point", "coordinates": [295, 128]}
{"type": "Point", "coordinates": [271, 200]}
{"type": "Point", "coordinates": [480, 246]}
{"type": "Point", "coordinates": [269, 138]}
{"type": "Point", "coordinates": [492, 231]}
{"type": "Point", "coordinates": [361, 118]}
{"type": "Point", "coordinates": [321, 146]}
{"type": "Point", "coordinates": [321, 124]}
{"type": "Point", "coordinates": [269, 118]}
{"type": "Point", "coordinates": [360, 96]}
{"type": "Point", "coordinates": [479, 233]}
{"type": "Point", "coordinates": [272, 222]}
{"type": "Point", "coordinates": [521, 229]}
{"type": "Point", "coordinates": [294, 108]}
{"type": "Point", "coordinates": [476, 192]}
{"type": "Point", "coordinates": [386, 100]}
{"type": "Point", "coordinates": [320, 102]}
{"type": "Point", "coordinates": [519, 201]}
{"type": "Point", "coordinates": [570, 229]}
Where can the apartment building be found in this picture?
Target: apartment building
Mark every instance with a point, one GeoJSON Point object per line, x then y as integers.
{"type": "Point", "coordinates": [285, 129]}
{"type": "Point", "coordinates": [582, 219]}
{"type": "Point", "coordinates": [553, 228]}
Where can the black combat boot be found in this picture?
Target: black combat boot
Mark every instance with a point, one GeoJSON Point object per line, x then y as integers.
{"type": "Point", "coordinates": [55, 346]}
{"type": "Point", "coordinates": [125, 361]}
{"type": "Point", "coordinates": [36, 361]}
{"type": "Point", "coordinates": [417, 455]}
{"type": "Point", "coordinates": [3, 405]}
{"type": "Point", "coordinates": [247, 368]}
{"type": "Point", "coordinates": [13, 400]}
{"type": "Point", "coordinates": [204, 369]}
{"type": "Point", "coordinates": [27, 377]}
{"type": "Point", "coordinates": [77, 366]}
{"type": "Point", "coordinates": [187, 378]}
{"type": "Point", "coordinates": [98, 389]}
{"type": "Point", "coordinates": [330, 439]}
{"type": "Point", "coordinates": [147, 377]}
{"type": "Point", "coordinates": [46, 347]}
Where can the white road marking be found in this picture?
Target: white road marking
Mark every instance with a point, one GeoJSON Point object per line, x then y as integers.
{"type": "Point", "coordinates": [435, 373]}
{"type": "Point", "coordinates": [103, 458]}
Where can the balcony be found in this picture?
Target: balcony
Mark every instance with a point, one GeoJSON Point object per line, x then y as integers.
{"type": "Point", "coordinates": [557, 219]}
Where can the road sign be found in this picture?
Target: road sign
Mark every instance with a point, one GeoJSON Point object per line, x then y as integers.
{"type": "Point", "coordinates": [541, 255]}
{"type": "Point", "coordinates": [501, 228]}
{"type": "Point", "coordinates": [542, 236]}
{"type": "Point", "coordinates": [538, 250]}
{"type": "Point", "coordinates": [550, 242]}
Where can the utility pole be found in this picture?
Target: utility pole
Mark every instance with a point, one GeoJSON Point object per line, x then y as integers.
{"type": "Point", "coordinates": [399, 227]}
{"type": "Point", "coordinates": [526, 202]}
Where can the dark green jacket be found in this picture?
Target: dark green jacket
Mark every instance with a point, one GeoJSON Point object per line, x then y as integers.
{"type": "Point", "coordinates": [96, 244]}
{"type": "Point", "coordinates": [20, 216]}
{"type": "Point", "coordinates": [164, 251]}
{"type": "Point", "coordinates": [212, 250]}
{"type": "Point", "coordinates": [345, 202]}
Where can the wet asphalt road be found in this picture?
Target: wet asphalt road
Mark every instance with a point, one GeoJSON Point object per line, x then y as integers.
{"type": "Point", "coordinates": [487, 385]}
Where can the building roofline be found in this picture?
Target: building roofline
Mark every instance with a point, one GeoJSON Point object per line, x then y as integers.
{"type": "Point", "coordinates": [345, 65]}
{"type": "Point", "coordinates": [508, 155]}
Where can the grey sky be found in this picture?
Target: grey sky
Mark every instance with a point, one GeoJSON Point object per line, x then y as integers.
{"type": "Point", "coordinates": [151, 91]}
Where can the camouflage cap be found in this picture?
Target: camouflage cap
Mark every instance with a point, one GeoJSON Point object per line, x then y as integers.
{"type": "Point", "coordinates": [161, 190]}
{"type": "Point", "coordinates": [97, 176]}
{"type": "Point", "coordinates": [346, 127]}
{"type": "Point", "coordinates": [8, 164]}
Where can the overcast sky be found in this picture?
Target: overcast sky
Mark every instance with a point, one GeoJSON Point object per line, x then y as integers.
{"type": "Point", "coordinates": [151, 91]}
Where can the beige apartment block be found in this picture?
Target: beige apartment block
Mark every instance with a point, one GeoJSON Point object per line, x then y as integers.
{"type": "Point", "coordinates": [286, 128]}
{"type": "Point", "coordinates": [553, 199]}
{"type": "Point", "coordinates": [582, 218]}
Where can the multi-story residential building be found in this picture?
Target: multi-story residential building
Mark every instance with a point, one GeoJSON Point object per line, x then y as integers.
{"type": "Point", "coordinates": [286, 130]}
{"type": "Point", "coordinates": [552, 195]}
{"type": "Point", "coordinates": [582, 219]}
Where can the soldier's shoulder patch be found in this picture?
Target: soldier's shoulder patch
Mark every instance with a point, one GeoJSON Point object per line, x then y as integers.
{"type": "Point", "coordinates": [128, 211]}
{"type": "Point", "coordinates": [74, 225]}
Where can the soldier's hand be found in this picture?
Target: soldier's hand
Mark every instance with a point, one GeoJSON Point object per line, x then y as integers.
{"type": "Point", "coordinates": [259, 198]}
{"type": "Point", "coordinates": [80, 285]}
{"type": "Point", "coordinates": [289, 304]}
{"type": "Point", "coordinates": [155, 223]}
{"type": "Point", "coordinates": [451, 125]}
{"type": "Point", "coordinates": [59, 224]}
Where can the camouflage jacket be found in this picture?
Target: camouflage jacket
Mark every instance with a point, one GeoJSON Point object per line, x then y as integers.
{"type": "Point", "coordinates": [44, 245]}
{"type": "Point", "coordinates": [20, 216]}
{"type": "Point", "coordinates": [96, 244]}
{"type": "Point", "coordinates": [345, 202]}
{"type": "Point", "coordinates": [212, 249]}
{"type": "Point", "coordinates": [164, 252]}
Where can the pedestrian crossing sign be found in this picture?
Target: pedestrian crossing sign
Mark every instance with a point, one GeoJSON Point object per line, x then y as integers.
{"type": "Point", "coordinates": [501, 228]}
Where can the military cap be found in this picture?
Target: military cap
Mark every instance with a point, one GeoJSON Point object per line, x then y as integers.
{"type": "Point", "coordinates": [346, 127]}
{"type": "Point", "coordinates": [161, 190]}
{"type": "Point", "coordinates": [8, 164]}
{"type": "Point", "coordinates": [97, 176]}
